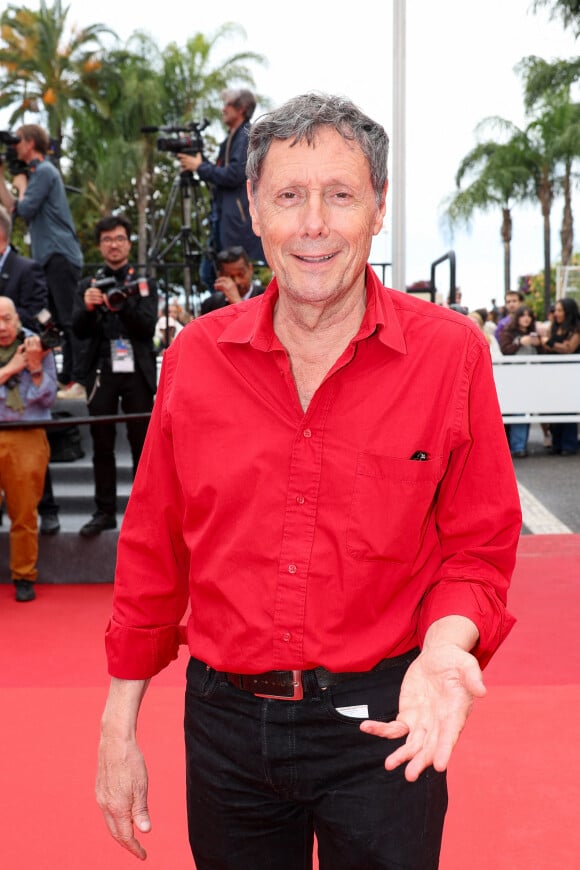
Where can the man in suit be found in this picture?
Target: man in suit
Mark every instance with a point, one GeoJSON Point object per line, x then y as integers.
{"type": "Point", "coordinates": [23, 281]}
{"type": "Point", "coordinates": [21, 278]}
{"type": "Point", "coordinates": [235, 280]}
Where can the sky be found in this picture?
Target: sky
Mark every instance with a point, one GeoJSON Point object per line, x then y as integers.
{"type": "Point", "coordinates": [460, 60]}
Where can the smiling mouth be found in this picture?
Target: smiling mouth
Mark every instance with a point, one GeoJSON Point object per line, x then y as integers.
{"type": "Point", "coordinates": [322, 259]}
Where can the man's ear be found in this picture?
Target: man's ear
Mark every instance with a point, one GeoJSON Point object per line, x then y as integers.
{"type": "Point", "coordinates": [253, 211]}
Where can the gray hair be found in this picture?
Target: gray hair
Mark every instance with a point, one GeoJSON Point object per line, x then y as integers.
{"type": "Point", "coordinates": [5, 223]}
{"type": "Point", "coordinates": [240, 99]}
{"type": "Point", "coordinates": [301, 117]}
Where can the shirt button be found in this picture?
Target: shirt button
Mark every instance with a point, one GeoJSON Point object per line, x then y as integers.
{"type": "Point", "coordinates": [292, 569]}
{"type": "Point", "coordinates": [300, 499]}
{"type": "Point", "coordinates": [286, 636]}
{"type": "Point", "coordinates": [307, 433]}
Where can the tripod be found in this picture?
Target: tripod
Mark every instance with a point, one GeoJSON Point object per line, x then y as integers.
{"type": "Point", "coordinates": [190, 238]}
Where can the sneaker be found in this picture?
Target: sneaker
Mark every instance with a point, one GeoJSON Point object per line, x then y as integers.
{"type": "Point", "coordinates": [24, 590]}
{"type": "Point", "coordinates": [73, 391]}
{"type": "Point", "coordinates": [99, 522]}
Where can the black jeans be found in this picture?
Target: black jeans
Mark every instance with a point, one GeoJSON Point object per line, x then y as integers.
{"type": "Point", "coordinates": [133, 392]}
{"type": "Point", "coordinates": [265, 776]}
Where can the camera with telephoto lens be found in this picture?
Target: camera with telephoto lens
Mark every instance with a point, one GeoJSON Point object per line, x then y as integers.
{"type": "Point", "coordinates": [10, 157]}
{"type": "Point", "coordinates": [116, 292]}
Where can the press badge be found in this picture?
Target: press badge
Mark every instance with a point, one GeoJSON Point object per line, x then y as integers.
{"type": "Point", "coordinates": [122, 359]}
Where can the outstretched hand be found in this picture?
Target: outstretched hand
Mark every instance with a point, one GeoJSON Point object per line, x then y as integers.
{"type": "Point", "coordinates": [121, 792]}
{"type": "Point", "coordinates": [436, 698]}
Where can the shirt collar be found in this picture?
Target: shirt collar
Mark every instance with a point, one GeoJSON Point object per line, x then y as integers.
{"type": "Point", "coordinates": [253, 325]}
{"type": "Point", "coordinates": [4, 256]}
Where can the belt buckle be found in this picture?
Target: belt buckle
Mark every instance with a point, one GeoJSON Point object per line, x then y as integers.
{"type": "Point", "coordinates": [298, 690]}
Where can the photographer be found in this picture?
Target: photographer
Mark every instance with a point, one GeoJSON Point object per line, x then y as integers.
{"type": "Point", "coordinates": [23, 281]}
{"type": "Point", "coordinates": [119, 323]}
{"type": "Point", "coordinates": [231, 220]}
{"type": "Point", "coordinates": [27, 392]}
{"type": "Point", "coordinates": [41, 201]}
{"type": "Point", "coordinates": [235, 280]}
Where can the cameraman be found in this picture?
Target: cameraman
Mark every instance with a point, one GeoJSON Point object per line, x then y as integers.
{"type": "Point", "coordinates": [119, 358]}
{"type": "Point", "coordinates": [41, 201]}
{"type": "Point", "coordinates": [27, 392]}
{"type": "Point", "coordinates": [231, 220]}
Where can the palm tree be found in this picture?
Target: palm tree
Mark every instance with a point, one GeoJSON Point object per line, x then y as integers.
{"type": "Point", "coordinates": [47, 71]}
{"type": "Point", "coordinates": [497, 178]}
{"type": "Point", "coordinates": [567, 10]}
{"type": "Point", "coordinates": [193, 81]}
{"type": "Point", "coordinates": [115, 162]}
{"type": "Point", "coordinates": [547, 89]}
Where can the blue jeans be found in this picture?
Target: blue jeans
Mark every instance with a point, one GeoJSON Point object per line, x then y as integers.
{"type": "Point", "coordinates": [518, 436]}
{"type": "Point", "coordinates": [265, 776]}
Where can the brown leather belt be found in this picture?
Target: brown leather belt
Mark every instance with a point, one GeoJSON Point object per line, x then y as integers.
{"type": "Point", "coordinates": [289, 685]}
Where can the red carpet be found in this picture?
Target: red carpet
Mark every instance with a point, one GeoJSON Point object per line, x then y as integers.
{"type": "Point", "coordinates": [514, 779]}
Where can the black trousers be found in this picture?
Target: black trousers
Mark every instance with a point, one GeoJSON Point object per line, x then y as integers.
{"type": "Point", "coordinates": [264, 776]}
{"type": "Point", "coordinates": [62, 278]}
{"type": "Point", "coordinates": [105, 391]}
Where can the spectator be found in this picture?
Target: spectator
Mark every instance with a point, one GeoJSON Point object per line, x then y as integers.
{"type": "Point", "coordinates": [519, 336]}
{"type": "Point", "coordinates": [27, 392]}
{"type": "Point", "coordinates": [41, 201]}
{"type": "Point", "coordinates": [492, 341]}
{"type": "Point", "coordinates": [513, 298]}
{"type": "Point", "coordinates": [23, 281]}
{"type": "Point", "coordinates": [326, 498]}
{"type": "Point", "coordinates": [231, 222]}
{"type": "Point", "coordinates": [564, 338]}
{"type": "Point", "coordinates": [176, 311]}
{"type": "Point", "coordinates": [166, 328]}
{"type": "Point", "coordinates": [120, 360]}
{"type": "Point", "coordinates": [235, 280]}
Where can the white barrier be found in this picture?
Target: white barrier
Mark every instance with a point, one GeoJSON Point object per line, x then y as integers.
{"type": "Point", "coordinates": [539, 388]}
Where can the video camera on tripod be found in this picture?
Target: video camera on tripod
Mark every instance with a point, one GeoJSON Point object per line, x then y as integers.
{"type": "Point", "coordinates": [186, 139]}
{"type": "Point", "coordinates": [9, 156]}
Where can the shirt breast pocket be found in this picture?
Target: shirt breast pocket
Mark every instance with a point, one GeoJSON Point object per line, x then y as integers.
{"type": "Point", "coordinates": [391, 506]}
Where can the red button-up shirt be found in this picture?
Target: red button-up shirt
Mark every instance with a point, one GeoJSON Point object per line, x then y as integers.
{"type": "Point", "coordinates": [314, 538]}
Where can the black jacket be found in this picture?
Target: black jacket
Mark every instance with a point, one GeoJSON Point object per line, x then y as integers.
{"type": "Point", "coordinates": [23, 281]}
{"type": "Point", "coordinates": [135, 320]}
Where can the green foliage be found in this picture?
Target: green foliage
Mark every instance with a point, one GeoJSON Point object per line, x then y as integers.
{"type": "Point", "coordinates": [96, 95]}
{"type": "Point", "coordinates": [533, 288]}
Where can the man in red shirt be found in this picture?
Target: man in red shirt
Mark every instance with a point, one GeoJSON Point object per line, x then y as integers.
{"type": "Point", "coordinates": [319, 482]}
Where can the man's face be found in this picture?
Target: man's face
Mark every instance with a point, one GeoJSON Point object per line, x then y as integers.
{"type": "Point", "coordinates": [114, 246]}
{"type": "Point", "coordinates": [231, 116]}
{"type": "Point", "coordinates": [316, 212]}
{"type": "Point", "coordinates": [24, 148]}
{"type": "Point", "coordinates": [240, 273]}
{"type": "Point", "coordinates": [9, 324]}
{"type": "Point", "coordinates": [511, 303]}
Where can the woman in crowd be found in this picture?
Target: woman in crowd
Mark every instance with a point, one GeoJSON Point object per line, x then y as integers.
{"type": "Point", "coordinates": [519, 336]}
{"type": "Point", "coordinates": [564, 337]}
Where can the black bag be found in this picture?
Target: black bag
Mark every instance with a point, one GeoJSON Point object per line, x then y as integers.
{"type": "Point", "coordinates": [65, 441]}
